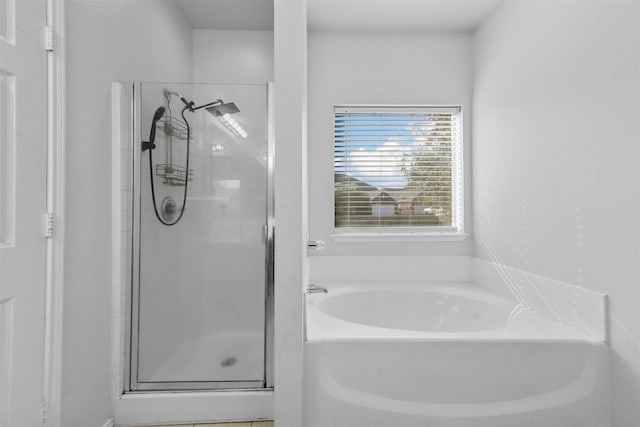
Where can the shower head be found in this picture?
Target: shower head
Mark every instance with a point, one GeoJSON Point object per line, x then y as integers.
{"type": "Point", "coordinates": [222, 109]}
{"type": "Point", "coordinates": [218, 108]}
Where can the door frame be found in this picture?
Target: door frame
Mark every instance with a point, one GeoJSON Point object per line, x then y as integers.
{"type": "Point", "coordinates": [55, 198]}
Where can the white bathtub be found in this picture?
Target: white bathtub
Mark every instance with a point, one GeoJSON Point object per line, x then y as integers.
{"type": "Point", "coordinates": [409, 355]}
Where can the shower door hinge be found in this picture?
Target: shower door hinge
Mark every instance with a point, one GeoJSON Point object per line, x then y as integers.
{"type": "Point", "coordinates": [48, 224]}
{"type": "Point", "coordinates": [48, 38]}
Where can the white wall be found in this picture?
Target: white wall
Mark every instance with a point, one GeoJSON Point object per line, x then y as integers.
{"type": "Point", "coordinates": [379, 68]}
{"type": "Point", "coordinates": [290, 182]}
{"type": "Point", "coordinates": [555, 157]}
{"type": "Point", "coordinates": [224, 56]}
{"type": "Point", "coordinates": [106, 41]}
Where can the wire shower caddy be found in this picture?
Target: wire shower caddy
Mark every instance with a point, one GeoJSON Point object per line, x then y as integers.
{"type": "Point", "coordinates": [171, 173]}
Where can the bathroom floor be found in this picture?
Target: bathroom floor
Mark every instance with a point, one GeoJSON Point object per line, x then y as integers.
{"type": "Point", "coordinates": [234, 424]}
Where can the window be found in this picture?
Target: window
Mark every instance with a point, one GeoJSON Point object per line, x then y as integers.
{"type": "Point", "coordinates": [398, 170]}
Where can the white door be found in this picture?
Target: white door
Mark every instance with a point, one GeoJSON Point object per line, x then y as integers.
{"type": "Point", "coordinates": [23, 122]}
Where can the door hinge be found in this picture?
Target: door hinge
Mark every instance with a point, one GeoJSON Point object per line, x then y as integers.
{"type": "Point", "coordinates": [45, 413]}
{"type": "Point", "coordinates": [48, 224]}
{"type": "Point", "coordinates": [48, 38]}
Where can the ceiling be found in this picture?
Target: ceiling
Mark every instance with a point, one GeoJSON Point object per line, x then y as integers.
{"type": "Point", "coordinates": [345, 15]}
{"type": "Point", "coordinates": [229, 14]}
{"type": "Point", "coordinates": [398, 15]}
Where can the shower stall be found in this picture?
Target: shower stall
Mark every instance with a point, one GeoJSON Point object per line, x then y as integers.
{"type": "Point", "coordinates": [200, 299]}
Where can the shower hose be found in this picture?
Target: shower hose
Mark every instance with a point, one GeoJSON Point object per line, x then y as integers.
{"type": "Point", "coordinates": [186, 181]}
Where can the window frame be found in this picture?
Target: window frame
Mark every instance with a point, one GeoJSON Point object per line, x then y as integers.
{"type": "Point", "coordinates": [454, 232]}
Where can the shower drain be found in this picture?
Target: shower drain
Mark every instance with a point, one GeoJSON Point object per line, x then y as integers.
{"type": "Point", "coordinates": [229, 361]}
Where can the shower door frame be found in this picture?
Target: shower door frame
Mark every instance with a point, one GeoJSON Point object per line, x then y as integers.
{"type": "Point", "coordinates": [131, 359]}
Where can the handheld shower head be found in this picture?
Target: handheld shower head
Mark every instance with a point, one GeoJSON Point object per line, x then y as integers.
{"type": "Point", "coordinates": [156, 116]}
{"type": "Point", "coordinates": [149, 145]}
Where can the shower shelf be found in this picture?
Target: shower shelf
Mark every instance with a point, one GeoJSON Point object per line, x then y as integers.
{"type": "Point", "coordinates": [174, 174]}
{"type": "Point", "coordinates": [173, 127]}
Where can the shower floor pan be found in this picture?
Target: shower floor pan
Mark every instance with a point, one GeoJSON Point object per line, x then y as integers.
{"type": "Point", "coordinates": [222, 358]}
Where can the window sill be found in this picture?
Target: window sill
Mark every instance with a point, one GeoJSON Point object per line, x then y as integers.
{"type": "Point", "coordinates": [399, 237]}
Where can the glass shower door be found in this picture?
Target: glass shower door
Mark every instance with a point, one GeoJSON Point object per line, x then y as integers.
{"type": "Point", "coordinates": [202, 262]}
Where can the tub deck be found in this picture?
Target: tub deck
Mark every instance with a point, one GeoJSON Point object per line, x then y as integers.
{"type": "Point", "coordinates": [527, 371]}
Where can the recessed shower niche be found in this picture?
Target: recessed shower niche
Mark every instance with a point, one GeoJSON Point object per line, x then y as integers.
{"type": "Point", "coordinates": [201, 242]}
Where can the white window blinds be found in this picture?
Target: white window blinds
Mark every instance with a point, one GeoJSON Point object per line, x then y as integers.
{"type": "Point", "coordinates": [398, 169]}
